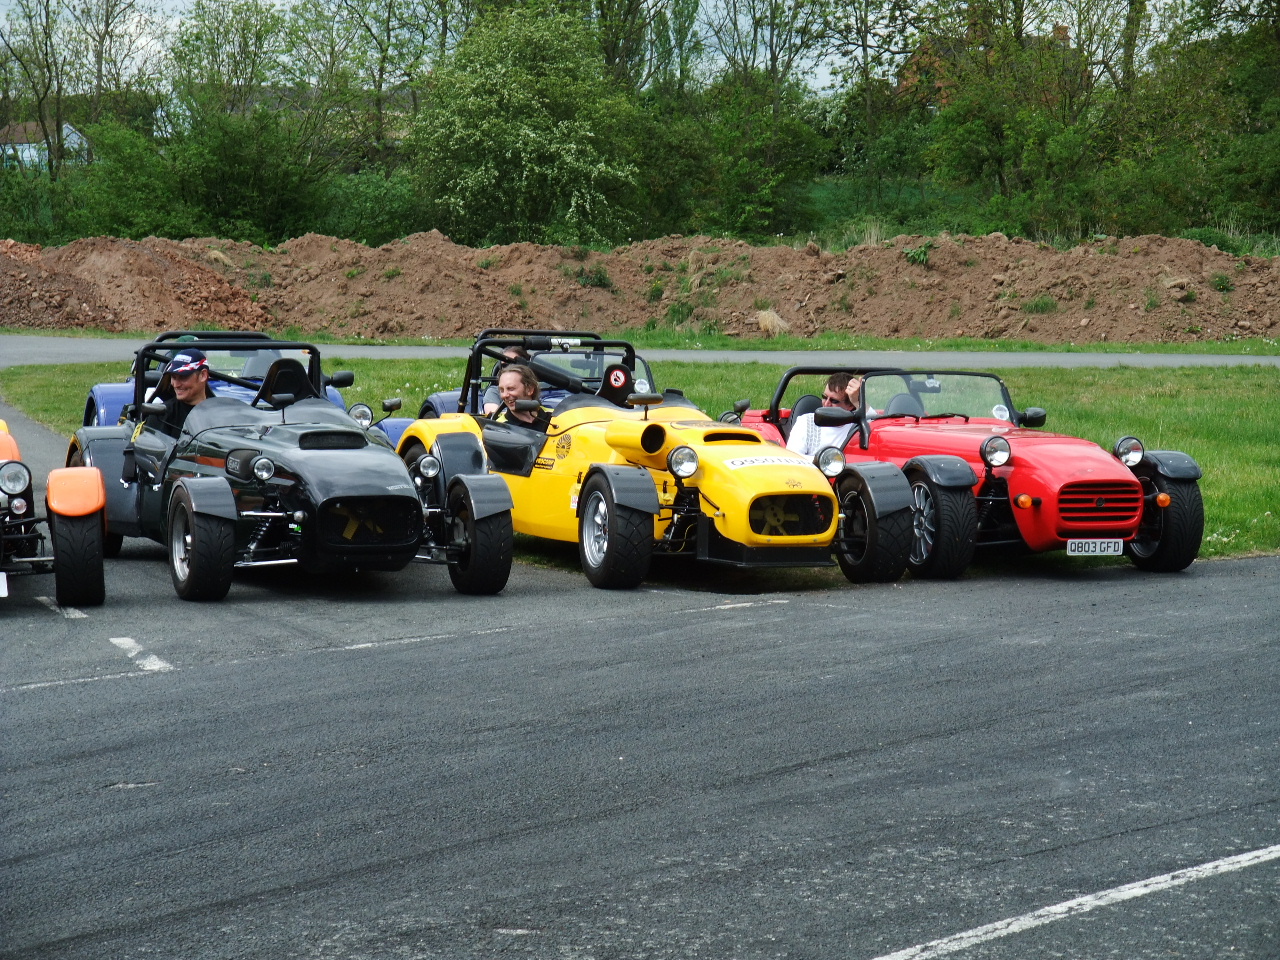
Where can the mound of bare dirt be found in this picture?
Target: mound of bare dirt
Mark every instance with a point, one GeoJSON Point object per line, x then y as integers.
{"type": "Point", "coordinates": [1133, 289]}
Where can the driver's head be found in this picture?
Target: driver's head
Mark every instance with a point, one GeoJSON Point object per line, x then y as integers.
{"type": "Point", "coordinates": [188, 371]}
{"type": "Point", "coordinates": [841, 391]}
{"type": "Point", "coordinates": [517, 382]}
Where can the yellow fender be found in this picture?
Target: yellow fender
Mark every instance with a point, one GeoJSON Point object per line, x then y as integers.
{"type": "Point", "coordinates": [76, 491]}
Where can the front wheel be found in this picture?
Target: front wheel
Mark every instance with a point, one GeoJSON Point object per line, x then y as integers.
{"type": "Point", "coordinates": [615, 543]}
{"type": "Point", "coordinates": [870, 549]}
{"type": "Point", "coordinates": [77, 560]}
{"type": "Point", "coordinates": [945, 527]}
{"type": "Point", "coordinates": [487, 547]}
{"type": "Point", "coordinates": [201, 551]}
{"type": "Point", "coordinates": [1168, 538]}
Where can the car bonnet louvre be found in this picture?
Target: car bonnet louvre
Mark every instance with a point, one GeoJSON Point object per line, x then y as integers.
{"type": "Point", "coordinates": [332, 440]}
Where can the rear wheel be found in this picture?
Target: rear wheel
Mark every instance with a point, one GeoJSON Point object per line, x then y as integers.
{"type": "Point", "coordinates": [201, 551]}
{"type": "Point", "coordinates": [870, 550]}
{"type": "Point", "coordinates": [487, 546]}
{"type": "Point", "coordinates": [945, 525]}
{"type": "Point", "coordinates": [615, 543]}
{"type": "Point", "coordinates": [77, 560]}
{"type": "Point", "coordinates": [1168, 538]}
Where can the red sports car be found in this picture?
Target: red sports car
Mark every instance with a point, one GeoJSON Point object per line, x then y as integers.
{"type": "Point", "coordinates": [982, 475]}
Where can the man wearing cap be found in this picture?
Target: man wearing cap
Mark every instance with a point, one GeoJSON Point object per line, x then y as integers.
{"type": "Point", "coordinates": [188, 373]}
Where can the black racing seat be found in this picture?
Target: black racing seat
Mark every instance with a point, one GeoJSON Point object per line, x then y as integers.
{"type": "Point", "coordinates": [616, 385]}
{"type": "Point", "coordinates": [286, 375]}
{"type": "Point", "coordinates": [904, 405]}
{"type": "Point", "coordinates": [805, 404]}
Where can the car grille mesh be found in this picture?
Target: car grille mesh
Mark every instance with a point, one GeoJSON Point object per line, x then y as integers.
{"type": "Point", "coordinates": [1100, 501]}
{"type": "Point", "coordinates": [791, 515]}
{"type": "Point", "coordinates": [369, 521]}
{"type": "Point", "coordinates": [332, 440]}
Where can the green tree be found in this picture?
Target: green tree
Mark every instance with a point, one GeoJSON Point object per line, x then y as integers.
{"type": "Point", "coordinates": [523, 136]}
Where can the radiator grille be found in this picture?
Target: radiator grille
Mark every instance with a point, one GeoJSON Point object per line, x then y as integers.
{"type": "Point", "coordinates": [370, 521]}
{"type": "Point", "coordinates": [1096, 502]}
{"type": "Point", "coordinates": [791, 515]}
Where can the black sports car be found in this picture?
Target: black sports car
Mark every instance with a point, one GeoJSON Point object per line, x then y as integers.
{"type": "Point", "coordinates": [287, 477]}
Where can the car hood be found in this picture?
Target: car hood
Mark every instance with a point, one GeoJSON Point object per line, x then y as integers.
{"type": "Point", "coordinates": [1046, 452]}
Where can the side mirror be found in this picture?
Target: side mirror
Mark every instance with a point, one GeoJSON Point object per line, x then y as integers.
{"type": "Point", "coordinates": [1032, 417]}
{"type": "Point", "coordinates": [741, 407]}
{"type": "Point", "coordinates": [342, 378]}
{"type": "Point", "coordinates": [833, 416]}
{"type": "Point", "coordinates": [391, 406]}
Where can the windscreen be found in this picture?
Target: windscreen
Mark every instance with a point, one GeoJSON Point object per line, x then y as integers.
{"type": "Point", "coordinates": [972, 395]}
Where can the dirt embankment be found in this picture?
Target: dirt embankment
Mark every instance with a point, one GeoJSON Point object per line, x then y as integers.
{"type": "Point", "coordinates": [1132, 289]}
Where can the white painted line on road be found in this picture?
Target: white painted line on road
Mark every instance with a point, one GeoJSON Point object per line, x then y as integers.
{"type": "Point", "coordinates": [71, 613]}
{"type": "Point", "coordinates": [373, 644]}
{"type": "Point", "coordinates": [146, 661]}
{"type": "Point", "coordinates": [1072, 908]}
{"type": "Point", "coordinates": [66, 683]}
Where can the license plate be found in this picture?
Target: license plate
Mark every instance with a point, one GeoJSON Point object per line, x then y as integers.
{"type": "Point", "coordinates": [1095, 548]}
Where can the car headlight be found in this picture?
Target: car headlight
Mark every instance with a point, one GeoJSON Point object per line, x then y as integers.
{"type": "Point", "coordinates": [1129, 451]}
{"type": "Point", "coordinates": [683, 462]}
{"type": "Point", "coordinates": [830, 460]}
{"type": "Point", "coordinates": [995, 451]}
{"type": "Point", "coordinates": [14, 477]}
{"type": "Point", "coordinates": [427, 466]}
{"type": "Point", "coordinates": [264, 468]}
{"type": "Point", "coordinates": [362, 414]}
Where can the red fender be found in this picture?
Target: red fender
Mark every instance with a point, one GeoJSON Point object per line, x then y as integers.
{"type": "Point", "coordinates": [76, 491]}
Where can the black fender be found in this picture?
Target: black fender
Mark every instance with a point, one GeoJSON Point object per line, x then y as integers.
{"type": "Point", "coordinates": [488, 493]}
{"type": "Point", "coordinates": [886, 485]}
{"type": "Point", "coordinates": [1173, 464]}
{"type": "Point", "coordinates": [630, 486]}
{"type": "Point", "coordinates": [209, 495]}
{"type": "Point", "coordinates": [943, 469]}
{"type": "Point", "coordinates": [105, 448]}
{"type": "Point", "coordinates": [460, 454]}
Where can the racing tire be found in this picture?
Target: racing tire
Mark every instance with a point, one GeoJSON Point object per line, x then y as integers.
{"type": "Point", "coordinates": [201, 550]}
{"type": "Point", "coordinates": [944, 529]}
{"type": "Point", "coordinates": [78, 579]}
{"type": "Point", "coordinates": [412, 453]}
{"type": "Point", "coordinates": [111, 542]}
{"type": "Point", "coordinates": [615, 543]}
{"type": "Point", "coordinates": [488, 545]}
{"type": "Point", "coordinates": [872, 550]}
{"type": "Point", "coordinates": [427, 411]}
{"type": "Point", "coordinates": [1168, 539]}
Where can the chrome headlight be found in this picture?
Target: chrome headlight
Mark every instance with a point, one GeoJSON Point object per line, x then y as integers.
{"type": "Point", "coordinates": [427, 466]}
{"type": "Point", "coordinates": [14, 477]}
{"type": "Point", "coordinates": [1129, 451]}
{"type": "Point", "coordinates": [263, 468]}
{"type": "Point", "coordinates": [362, 414]}
{"type": "Point", "coordinates": [830, 460]}
{"type": "Point", "coordinates": [683, 462]}
{"type": "Point", "coordinates": [995, 451]}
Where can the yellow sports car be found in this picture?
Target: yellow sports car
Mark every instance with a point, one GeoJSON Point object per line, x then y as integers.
{"type": "Point", "coordinates": [628, 473]}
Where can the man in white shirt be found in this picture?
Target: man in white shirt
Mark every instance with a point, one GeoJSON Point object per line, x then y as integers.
{"type": "Point", "coordinates": [806, 437]}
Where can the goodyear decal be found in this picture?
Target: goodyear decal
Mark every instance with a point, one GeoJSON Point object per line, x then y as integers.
{"type": "Point", "coordinates": [737, 463]}
{"type": "Point", "coordinates": [543, 463]}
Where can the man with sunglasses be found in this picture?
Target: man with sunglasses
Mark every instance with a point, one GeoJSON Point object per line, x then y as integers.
{"type": "Point", "coordinates": [843, 390]}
